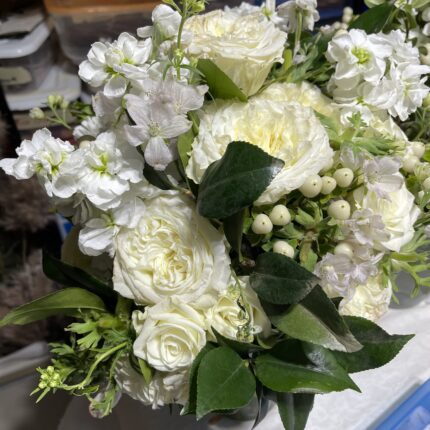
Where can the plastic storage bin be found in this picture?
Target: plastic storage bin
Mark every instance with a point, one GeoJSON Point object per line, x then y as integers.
{"type": "Point", "coordinates": [25, 62]}
{"type": "Point", "coordinates": [79, 23]}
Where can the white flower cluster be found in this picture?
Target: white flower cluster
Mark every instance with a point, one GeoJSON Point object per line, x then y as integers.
{"type": "Point", "coordinates": [376, 72]}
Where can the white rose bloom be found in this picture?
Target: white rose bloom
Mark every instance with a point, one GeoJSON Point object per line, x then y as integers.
{"type": "Point", "coordinates": [46, 157]}
{"type": "Point", "coordinates": [238, 314]}
{"type": "Point", "coordinates": [164, 388]}
{"type": "Point", "coordinates": [112, 63]}
{"type": "Point", "coordinates": [243, 47]}
{"type": "Point", "coordinates": [285, 130]}
{"type": "Point", "coordinates": [105, 170]}
{"type": "Point", "coordinates": [370, 300]}
{"type": "Point", "coordinates": [398, 215]}
{"type": "Point", "coordinates": [290, 9]}
{"type": "Point", "coordinates": [172, 252]}
{"type": "Point", "coordinates": [172, 335]}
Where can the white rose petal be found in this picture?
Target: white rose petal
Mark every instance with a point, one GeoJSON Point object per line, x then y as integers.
{"type": "Point", "coordinates": [171, 336]}
{"type": "Point", "coordinates": [171, 252]}
{"type": "Point", "coordinates": [243, 47]}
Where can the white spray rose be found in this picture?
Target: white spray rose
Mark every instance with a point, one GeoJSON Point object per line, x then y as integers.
{"type": "Point", "coordinates": [164, 388]}
{"type": "Point", "coordinates": [243, 47]}
{"type": "Point", "coordinates": [172, 335]}
{"type": "Point", "coordinates": [285, 130]}
{"type": "Point", "coordinates": [171, 252]}
{"type": "Point", "coordinates": [398, 215]}
{"type": "Point", "coordinates": [370, 300]}
{"type": "Point", "coordinates": [238, 314]}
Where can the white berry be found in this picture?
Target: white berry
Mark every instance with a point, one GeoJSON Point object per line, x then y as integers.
{"type": "Point", "coordinates": [312, 186]}
{"type": "Point", "coordinates": [262, 224]}
{"type": "Point", "coordinates": [418, 148]}
{"type": "Point", "coordinates": [84, 144]}
{"type": "Point", "coordinates": [409, 163]}
{"type": "Point", "coordinates": [328, 184]}
{"type": "Point", "coordinates": [284, 248]}
{"type": "Point", "coordinates": [280, 215]}
{"type": "Point", "coordinates": [344, 248]}
{"type": "Point", "coordinates": [340, 209]}
{"type": "Point", "coordinates": [344, 177]}
{"type": "Point", "coordinates": [426, 184]}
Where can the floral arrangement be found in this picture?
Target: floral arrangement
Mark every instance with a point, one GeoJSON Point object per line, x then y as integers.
{"type": "Point", "coordinates": [247, 187]}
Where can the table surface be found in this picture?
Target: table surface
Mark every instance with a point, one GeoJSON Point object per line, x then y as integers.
{"type": "Point", "coordinates": [381, 390]}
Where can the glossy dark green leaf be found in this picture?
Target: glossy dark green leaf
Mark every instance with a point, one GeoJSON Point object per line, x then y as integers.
{"type": "Point", "coordinates": [236, 180]}
{"type": "Point", "coordinates": [224, 382]}
{"type": "Point", "coordinates": [220, 85]}
{"type": "Point", "coordinates": [70, 276]}
{"type": "Point", "coordinates": [233, 230]}
{"type": "Point", "coordinates": [374, 19]}
{"type": "Point", "coordinates": [241, 348]}
{"type": "Point", "coordinates": [62, 302]}
{"type": "Point", "coordinates": [190, 407]}
{"type": "Point", "coordinates": [294, 409]}
{"type": "Point", "coordinates": [302, 368]}
{"type": "Point", "coordinates": [379, 347]}
{"type": "Point", "coordinates": [315, 319]}
{"type": "Point", "coordinates": [280, 280]}
{"type": "Point", "coordinates": [157, 178]}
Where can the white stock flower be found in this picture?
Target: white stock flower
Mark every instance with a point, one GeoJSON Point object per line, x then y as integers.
{"type": "Point", "coordinates": [381, 176]}
{"type": "Point", "coordinates": [238, 314]}
{"type": "Point", "coordinates": [243, 47]}
{"type": "Point", "coordinates": [357, 56]}
{"type": "Point", "coordinates": [156, 122]}
{"type": "Point", "coordinates": [289, 12]}
{"type": "Point", "coordinates": [165, 21]}
{"type": "Point", "coordinates": [172, 252]}
{"type": "Point", "coordinates": [369, 300]}
{"type": "Point", "coordinates": [110, 64]}
{"type": "Point", "coordinates": [46, 157]}
{"type": "Point", "coordinates": [398, 215]}
{"type": "Point", "coordinates": [164, 388]}
{"type": "Point", "coordinates": [172, 335]}
{"type": "Point", "coordinates": [105, 169]}
{"type": "Point", "coordinates": [288, 131]}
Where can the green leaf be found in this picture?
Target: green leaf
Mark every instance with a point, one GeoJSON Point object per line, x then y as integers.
{"type": "Point", "coordinates": [185, 142]}
{"type": "Point", "coordinates": [379, 347]}
{"type": "Point", "coordinates": [241, 348]}
{"type": "Point", "coordinates": [417, 4]}
{"type": "Point", "coordinates": [280, 280]}
{"type": "Point", "coordinates": [294, 409]}
{"type": "Point", "coordinates": [224, 382]}
{"type": "Point", "coordinates": [146, 370]}
{"type": "Point", "coordinates": [315, 319]}
{"type": "Point", "coordinates": [70, 276]}
{"type": "Point", "coordinates": [373, 20]}
{"type": "Point", "coordinates": [236, 180]}
{"type": "Point", "coordinates": [157, 178]}
{"type": "Point", "coordinates": [220, 85]}
{"type": "Point", "coordinates": [63, 302]}
{"type": "Point", "coordinates": [233, 230]}
{"type": "Point", "coordinates": [297, 367]}
{"type": "Point", "coordinates": [190, 407]}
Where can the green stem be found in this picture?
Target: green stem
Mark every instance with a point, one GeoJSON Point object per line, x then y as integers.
{"type": "Point", "coordinates": [298, 34]}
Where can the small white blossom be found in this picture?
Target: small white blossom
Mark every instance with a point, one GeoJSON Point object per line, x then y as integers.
{"type": "Point", "coordinates": [381, 176]}
{"type": "Point", "coordinates": [165, 21]}
{"type": "Point", "coordinates": [290, 10]}
{"type": "Point", "coordinates": [110, 64]}
{"type": "Point", "coordinates": [44, 156]}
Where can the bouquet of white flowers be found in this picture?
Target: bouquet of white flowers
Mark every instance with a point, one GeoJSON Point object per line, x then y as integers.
{"type": "Point", "coordinates": [244, 192]}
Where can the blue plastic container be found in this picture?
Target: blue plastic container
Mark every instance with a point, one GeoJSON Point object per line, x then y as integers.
{"type": "Point", "coordinates": [412, 414]}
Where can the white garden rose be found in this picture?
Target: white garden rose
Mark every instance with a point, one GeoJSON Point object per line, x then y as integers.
{"type": "Point", "coordinates": [370, 300]}
{"type": "Point", "coordinates": [171, 336]}
{"type": "Point", "coordinates": [243, 47]}
{"type": "Point", "coordinates": [171, 252]}
{"type": "Point", "coordinates": [286, 130]}
{"type": "Point", "coordinates": [164, 388]}
{"type": "Point", "coordinates": [238, 314]}
{"type": "Point", "coordinates": [398, 213]}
